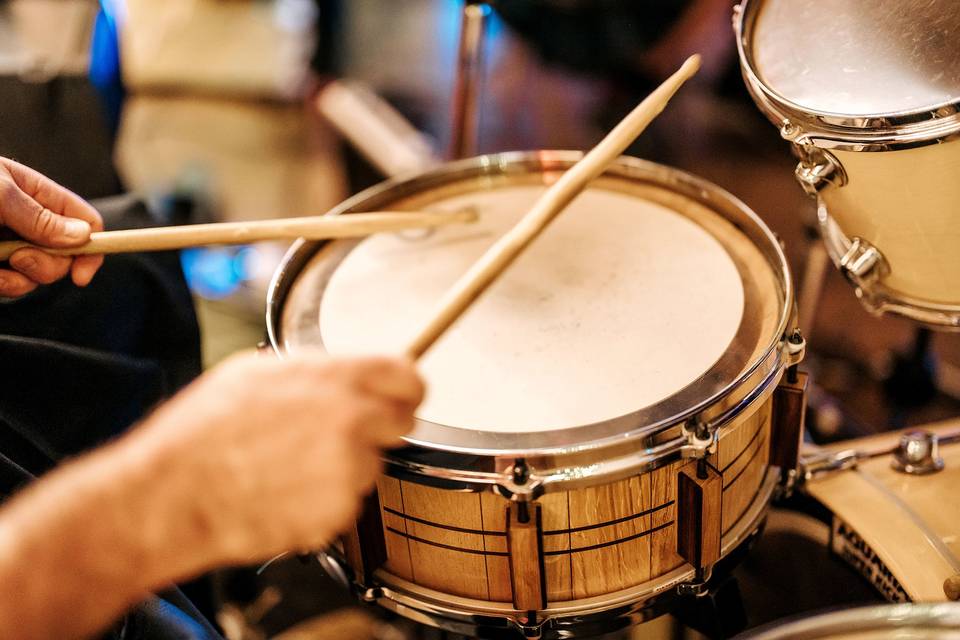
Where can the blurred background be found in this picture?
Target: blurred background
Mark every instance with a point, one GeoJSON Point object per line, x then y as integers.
{"type": "Point", "coordinates": [245, 109]}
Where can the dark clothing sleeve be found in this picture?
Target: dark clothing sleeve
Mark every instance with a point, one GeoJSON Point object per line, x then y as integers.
{"type": "Point", "coordinates": [80, 366]}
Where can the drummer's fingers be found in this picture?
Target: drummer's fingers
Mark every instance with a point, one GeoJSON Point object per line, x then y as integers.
{"type": "Point", "coordinates": [52, 196]}
{"type": "Point", "coordinates": [84, 268]}
{"type": "Point", "coordinates": [14, 285]}
{"type": "Point", "coordinates": [40, 267]}
{"type": "Point", "coordinates": [36, 222]}
{"type": "Point", "coordinates": [386, 378]}
{"type": "Point", "coordinates": [394, 379]}
{"type": "Point", "coordinates": [380, 423]}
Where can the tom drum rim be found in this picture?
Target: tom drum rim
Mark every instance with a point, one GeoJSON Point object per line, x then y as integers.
{"type": "Point", "coordinates": [881, 130]}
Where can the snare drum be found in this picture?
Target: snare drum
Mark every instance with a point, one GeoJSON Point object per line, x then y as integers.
{"type": "Point", "coordinates": [896, 517]}
{"type": "Point", "coordinates": [597, 433]}
{"type": "Point", "coordinates": [880, 622]}
{"type": "Point", "coordinates": [868, 93]}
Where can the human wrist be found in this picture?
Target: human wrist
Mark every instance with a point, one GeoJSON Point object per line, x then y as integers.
{"type": "Point", "coordinates": [83, 517]}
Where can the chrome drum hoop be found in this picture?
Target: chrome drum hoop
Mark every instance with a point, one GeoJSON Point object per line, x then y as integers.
{"type": "Point", "coordinates": [941, 620]}
{"type": "Point", "coordinates": [629, 443]}
{"type": "Point", "coordinates": [871, 291]}
{"type": "Point", "coordinates": [600, 614]}
{"type": "Point", "coordinates": [868, 132]}
{"type": "Point", "coordinates": [577, 469]}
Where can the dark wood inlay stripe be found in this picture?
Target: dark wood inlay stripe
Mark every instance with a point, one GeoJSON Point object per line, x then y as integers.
{"type": "Point", "coordinates": [478, 552]}
{"type": "Point", "coordinates": [753, 456]}
{"type": "Point", "coordinates": [588, 527]}
{"type": "Point", "coordinates": [554, 532]}
{"type": "Point", "coordinates": [611, 543]}
{"type": "Point", "coordinates": [448, 527]}
{"type": "Point", "coordinates": [756, 433]}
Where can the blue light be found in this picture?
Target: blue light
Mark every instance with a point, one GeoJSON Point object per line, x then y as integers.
{"type": "Point", "coordinates": [214, 272]}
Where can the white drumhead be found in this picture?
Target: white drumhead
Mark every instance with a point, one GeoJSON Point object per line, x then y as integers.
{"type": "Point", "coordinates": [621, 303]}
{"type": "Point", "coordinates": [860, 57]}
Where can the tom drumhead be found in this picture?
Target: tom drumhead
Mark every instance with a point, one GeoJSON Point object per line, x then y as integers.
{"type": "Point", "coordinates": [643, 301]}
{"type": "Point", "coordinates": [859, 57]}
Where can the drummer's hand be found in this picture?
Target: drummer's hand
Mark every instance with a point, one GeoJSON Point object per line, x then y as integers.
{"type": "Point", "coordinates": [264, 455]}
{"type": "Point", "coordinates": [45, 213]}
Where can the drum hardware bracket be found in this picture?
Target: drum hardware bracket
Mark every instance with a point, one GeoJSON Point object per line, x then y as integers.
{"type": "Point", "coordinates": [788, 413]}
{"type": "Point", "coordinates": [796, 348]}
{"type": "Point", "coordinates": [918, 453]}
{"type": "Point", "coordinates": [701, 440]}
{"type": "Point", "coordinates": [863, 265]}
{"type": "Point", "coordinates": [519, 484]}
{"type": "Point", "coordinates": [817, 168]}
{"type": "Point", "coordinates": [699, 586]}
{"type": "Point", "coordinates": [818, 465]}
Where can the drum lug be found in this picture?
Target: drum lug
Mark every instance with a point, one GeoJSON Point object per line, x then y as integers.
{"type": "Point", "coordinates": [701, 440]}
{"type": "Point", "coordinates": [788, 416]}
{"type": "Point", "coordinates": [817, 168]}
{"type": "Point", "coordinates": [863, 265]}
{"type": "Point", "coordinates": [918, 453]}
{"type": "Point", "coordinates": [795, 348]}
{"type": "Point", "coordinates": [519, 484]}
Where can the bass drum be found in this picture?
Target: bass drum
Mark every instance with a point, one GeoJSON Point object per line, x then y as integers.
{"type": "Point", "coordinates": [602, 431]}
{"type": "Point", "coordinates": [881, 622]}
{"type": "Point", "coordinates": [896, 517]}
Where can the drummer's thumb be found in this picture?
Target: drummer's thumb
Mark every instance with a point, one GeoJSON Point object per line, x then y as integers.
{"type": "Point", "coordinates": [36, 223]}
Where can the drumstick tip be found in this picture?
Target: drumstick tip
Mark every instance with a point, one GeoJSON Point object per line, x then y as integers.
{"type": "Point", "coordinates": [691, 65]}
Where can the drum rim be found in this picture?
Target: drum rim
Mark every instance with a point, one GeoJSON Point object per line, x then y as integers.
{"type": "Point", "coordinates": [822, 624]}
{"type": "Point", "coordinates": [883, 131]}
{"type": "Point", "coordinates": [760, 372]}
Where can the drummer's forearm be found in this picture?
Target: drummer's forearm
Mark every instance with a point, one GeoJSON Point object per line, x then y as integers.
{"type": "Point", "coordinates": [81, 546]}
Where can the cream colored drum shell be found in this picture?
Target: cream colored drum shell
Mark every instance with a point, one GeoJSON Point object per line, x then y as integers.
{"type": "Point", "coordinates": [911, 523]}
{"type": "Point", "coordinates": [898, 168]}
{"type": "Point", "coordinates": [881, 622]}
{"type": "Point", "coordinates": [906, 203]}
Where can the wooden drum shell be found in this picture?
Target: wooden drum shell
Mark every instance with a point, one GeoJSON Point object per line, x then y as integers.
{"type": "Point", "coordinates": [595, 540]}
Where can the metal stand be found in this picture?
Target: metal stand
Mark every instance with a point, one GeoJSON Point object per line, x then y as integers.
{"type": "Point", "coordinates": [718, 613]}
{"type": "Point", "coordinates": [912, 383]}
{"type": "Point", "coordinates": [466, 89]}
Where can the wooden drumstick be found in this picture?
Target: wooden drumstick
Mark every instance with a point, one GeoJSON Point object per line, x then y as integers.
{"type": "Point", "coordinates": [486, 270]}
{"type": "Point", "coordinates": [195, 235]}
